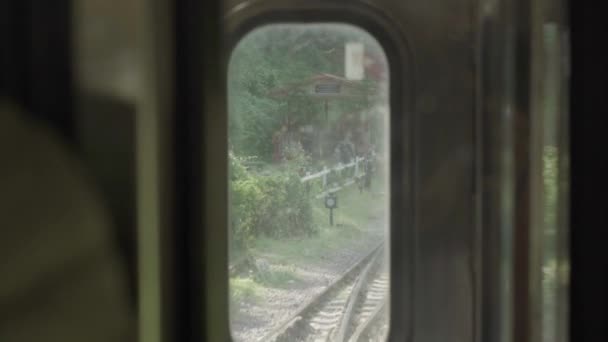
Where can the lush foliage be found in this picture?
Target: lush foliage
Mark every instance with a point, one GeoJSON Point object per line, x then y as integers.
{"type": "Point", "coordinates": [276, 205]}
{"type": "Point", "coordinates": [272, 202]}
{"type": "Point", "coordinates": [277, 56]}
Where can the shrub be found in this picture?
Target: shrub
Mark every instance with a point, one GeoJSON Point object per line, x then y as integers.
{"type": "Point", "coordinates": [276, 205]}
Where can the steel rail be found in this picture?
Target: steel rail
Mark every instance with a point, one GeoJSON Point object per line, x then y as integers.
{"type": "Point", "coordinates": [309, 306]}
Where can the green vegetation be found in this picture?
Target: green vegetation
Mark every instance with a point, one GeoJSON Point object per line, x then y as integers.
{"type": "Point", "coordinates": [276, 56]}
{"type": "Point", "coordinates": [352, 220]}
{"type": "Point", "coordinates": [275, 140]}
{"type": "Point", "coordinates": [242, 289]}
{"type": "Point", "coordinates": [272, 205]}
{"type": "Point", "coordinates": [278, 278]}
{"type": "Point", "coordinates": [267, 156]}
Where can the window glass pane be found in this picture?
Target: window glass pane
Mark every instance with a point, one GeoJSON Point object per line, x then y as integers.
{"type": "Point", "coordinates": [309, 172]}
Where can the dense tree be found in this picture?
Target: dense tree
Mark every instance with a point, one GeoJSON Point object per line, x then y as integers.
{"type": "Point", "coordinates": [280, 55]}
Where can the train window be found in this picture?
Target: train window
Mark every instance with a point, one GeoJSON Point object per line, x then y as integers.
{"type": "Point", "coordinates": [308, 118]}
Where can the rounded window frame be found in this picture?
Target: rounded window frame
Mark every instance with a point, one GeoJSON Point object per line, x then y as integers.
{"type": "Point", "coordinates": [375, 20]}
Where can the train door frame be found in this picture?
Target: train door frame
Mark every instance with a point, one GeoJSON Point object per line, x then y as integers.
{"type": "Point", "coordinates": [584, 201]}
{"type": "Point", "coordinates": [390, 35]}
{"type": "Point", "coordinates": [199, 312]}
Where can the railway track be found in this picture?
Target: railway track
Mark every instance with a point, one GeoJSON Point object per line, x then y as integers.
{"type": "Point", "coordinates": [370, 320]}
{"type": "Point", "coordinates": [350, 309]}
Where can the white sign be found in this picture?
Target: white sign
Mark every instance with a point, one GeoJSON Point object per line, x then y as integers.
{"type": "Point", "coordinates": [353, 64]}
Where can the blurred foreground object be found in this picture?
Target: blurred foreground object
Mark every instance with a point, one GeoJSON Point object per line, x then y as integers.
{"type": "Point", "coordinates": [61, 278]}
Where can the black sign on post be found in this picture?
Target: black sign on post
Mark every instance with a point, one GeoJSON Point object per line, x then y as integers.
{"type": "Point", "coordinates": [331, 203]}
